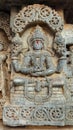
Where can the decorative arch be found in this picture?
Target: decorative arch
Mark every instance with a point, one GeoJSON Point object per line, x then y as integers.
{"type": "Point", "coordinates": [4, 24]}
{"type": "Point", "coordinates": [37, 13]}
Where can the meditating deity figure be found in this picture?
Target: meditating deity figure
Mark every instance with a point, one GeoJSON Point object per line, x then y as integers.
{"type": "Point", "coordinates": [37, 61]}
{"type": "Point", "coordinates": [36, 66]}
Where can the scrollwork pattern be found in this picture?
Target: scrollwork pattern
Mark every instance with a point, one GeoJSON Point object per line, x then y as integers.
{"type": "Point", "coordinates": [35, 113]}
{"type": "Point", "coordinates": [11, 113]}
{"type": "Point", "coordinates": [34, 13]}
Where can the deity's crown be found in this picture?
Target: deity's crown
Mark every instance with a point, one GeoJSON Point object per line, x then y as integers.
{"type": "Point", "coordinates": [37, 34]}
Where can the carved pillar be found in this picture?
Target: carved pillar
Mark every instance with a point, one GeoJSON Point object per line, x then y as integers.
{"type": "Point", "coordinates": [4, 59]}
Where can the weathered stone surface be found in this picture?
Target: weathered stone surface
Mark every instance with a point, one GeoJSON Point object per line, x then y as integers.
{"type": "Point", "coordinates": [36, 67]}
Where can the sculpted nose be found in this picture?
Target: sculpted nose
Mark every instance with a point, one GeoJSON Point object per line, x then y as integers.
{"type": "Point", "coordinates": [37, 42]}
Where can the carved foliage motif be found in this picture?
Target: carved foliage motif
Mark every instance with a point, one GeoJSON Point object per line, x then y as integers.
{"type": "Point", "coordinates": [43, 114]}
{"type": "Point", "coordinates": [35, 13]}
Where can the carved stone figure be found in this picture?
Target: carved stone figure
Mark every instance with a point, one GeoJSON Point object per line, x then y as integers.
{"type": "Point", "coordinates": [38, 61]}
{"type": "Point", "coordinates": [40, 69]}
{"type": "Point", "coordinates": [61, 51]}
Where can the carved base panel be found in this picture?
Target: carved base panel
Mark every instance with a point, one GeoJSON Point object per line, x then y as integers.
{"type": "Point", "coordinates": [69, 114]}
{"type": "Point", "coordinates": [34, 115]}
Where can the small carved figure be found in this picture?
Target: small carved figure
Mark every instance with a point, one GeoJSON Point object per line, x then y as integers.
{"type": "Point", "coordinates": [59, 45]}
{"type": "Point", "coordinates": [16, 46]}
{"type": "Point", "coordinates": [61, 51]}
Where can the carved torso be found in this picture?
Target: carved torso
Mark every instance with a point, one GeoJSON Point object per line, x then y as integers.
{"type": "Point", "coordinates": [36, 64]}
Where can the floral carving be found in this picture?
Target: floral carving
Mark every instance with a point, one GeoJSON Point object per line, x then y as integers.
{"type": "Point", "coordinates": [35, 13]}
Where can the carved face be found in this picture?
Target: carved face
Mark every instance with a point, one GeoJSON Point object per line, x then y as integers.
{"type": "Point", "coordinates": [1, 47]}
{"type": "Point", "coordinates": [37, 45]}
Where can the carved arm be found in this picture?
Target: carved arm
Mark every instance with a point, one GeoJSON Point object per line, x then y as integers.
{"type": "Point", "coordinates": [24, 67]}
{"type": "Point", "coordinates": [16, 65]}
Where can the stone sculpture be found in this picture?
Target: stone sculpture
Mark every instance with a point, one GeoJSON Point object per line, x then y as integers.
{"type": "Point", "coordinates": [4, 39]}
{"type": "Point", "coordinates": [40, 68]}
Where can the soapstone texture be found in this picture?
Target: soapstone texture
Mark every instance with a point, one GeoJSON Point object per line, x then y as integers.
{"type": "Point", "coordinates": [36, 67]}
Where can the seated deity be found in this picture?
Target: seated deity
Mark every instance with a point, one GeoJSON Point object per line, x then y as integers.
{"type": "Point", "coordinates": [37, 61]}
